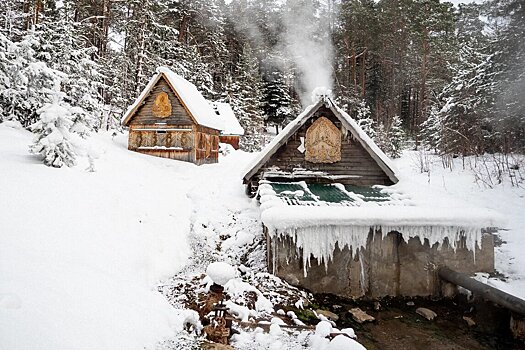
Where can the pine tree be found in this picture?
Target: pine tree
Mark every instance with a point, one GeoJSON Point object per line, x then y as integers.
{"type": "Point", "coordinates": [52, 135]}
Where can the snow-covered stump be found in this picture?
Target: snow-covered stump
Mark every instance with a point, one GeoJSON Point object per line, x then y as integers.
{"type": "Point", "coordinates": [387, 265]}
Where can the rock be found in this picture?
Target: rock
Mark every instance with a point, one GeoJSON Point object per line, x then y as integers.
{"type": "Point", "coordinates": [330, 315]}
{"type": "Point", "coordinates": [517, 326]}
{"type": "Point", "coordinates": [323, 329]}
{"type": "Point", "coordinates": [360, 316]}
{"type": "Point", "coordinates": [216, 346]}
{"type": "Point", "coordinates": [342, 342]}
{"type": "Point", "coordinates": [275, 329]}
{"type": "Point", "coordinates": [411, 303]}
{"type": "Point", "coordinates": [449, 290]}
{"type": "Point", "coordinates": [349, 332]}
{"type": "Point", "coordinates": [426, 313]}
{"type": "Point", "coordinates": [220, 272]}
{"type": "Point", "coordinates": [470, 322]}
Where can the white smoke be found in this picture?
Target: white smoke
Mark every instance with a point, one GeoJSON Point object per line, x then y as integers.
{"type": "Point", "coordinates": [306, 41]}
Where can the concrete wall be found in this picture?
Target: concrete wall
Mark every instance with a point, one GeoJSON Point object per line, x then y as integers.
{"type": "Point", "coordinates": [386, 267]}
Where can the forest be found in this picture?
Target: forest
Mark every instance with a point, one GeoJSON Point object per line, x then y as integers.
{"type": "Point", "coordinates": [414, 73]}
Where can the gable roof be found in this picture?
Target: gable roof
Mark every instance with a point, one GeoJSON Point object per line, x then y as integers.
{"type": "Point", "coordinates": [348, 122]}
{"type": "Point", "coordinates": [195, 104]}
{"type": "Point", "coordinates": [230, 124]}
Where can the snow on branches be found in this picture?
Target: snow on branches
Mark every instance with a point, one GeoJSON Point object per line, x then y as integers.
{"type": "Point", "coordinates": [53, 139]}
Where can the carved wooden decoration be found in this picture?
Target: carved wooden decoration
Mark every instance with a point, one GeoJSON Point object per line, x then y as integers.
{"type": "Point", "coordinates": [162, 105]}
{"type": "Point", "coordinates": [134, 139]}
{"type": "Point", "coordinates": [147, 139]}
{"type": "Point", "coordinates": [323, 142]}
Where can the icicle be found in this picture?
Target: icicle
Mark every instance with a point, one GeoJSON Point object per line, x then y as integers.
{"type": "Point", "coordinates": [319, 241]}
{"type": "Point", "coordinates": [362, 275]}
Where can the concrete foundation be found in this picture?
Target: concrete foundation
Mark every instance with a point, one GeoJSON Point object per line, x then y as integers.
{"type": "Point", "coordinates": [389, 266]}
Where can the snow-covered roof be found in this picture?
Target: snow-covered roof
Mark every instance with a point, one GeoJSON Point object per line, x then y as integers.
{"type": "Point", "coordinates": [317, 226]}
{"type": "Point", "coordinates": [230, 124]}
{"type": "Point", "coordinates": [192, 100]}
{"type": "Point", "coordinates": [382, 160]}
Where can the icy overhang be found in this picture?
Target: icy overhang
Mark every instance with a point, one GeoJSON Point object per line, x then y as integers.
{"type": "Point", "coordinates": [287, 205]}
{"type": "Point", "coordinates": [319, 216]}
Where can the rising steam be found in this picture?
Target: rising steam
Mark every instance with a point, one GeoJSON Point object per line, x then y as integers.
{"type": "Point", "coordinates": [306, 41]}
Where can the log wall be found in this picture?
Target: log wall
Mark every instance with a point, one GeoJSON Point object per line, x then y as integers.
{"type": "Point", "coordinates": [144, 113]}
{"type": "Point", "coordinates": [232, 140]}
{"type": "Point", "coordinates": [175, 136]}
{"type": "Point", "coordinates": [206, 146]}
{"type": "Point", "coordinates": [355, 160]}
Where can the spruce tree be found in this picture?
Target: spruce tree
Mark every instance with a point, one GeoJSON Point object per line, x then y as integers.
{"type": "Point", "coordinates": [52, 136]}
{"type": "Point", "coordinates": [277, 100]}
{"type": "Point", "coordinates": [28, 79]}
{"type": "Point", "coordinates": [247, 93]}
{"type": "Point", "coordinates": [508, 118]}
{"type": "Point", "coordinates": [396, 137]}
{"type": "Point", "coordinates": [364, 119]}
{"type": "Point", "coordinates": [432, 130]}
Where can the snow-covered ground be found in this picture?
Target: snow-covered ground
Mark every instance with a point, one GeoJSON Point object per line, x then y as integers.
{"type": "Point", "coordinates": [460, 183]}
{"type": "Point", "coordinates": [82, 253]}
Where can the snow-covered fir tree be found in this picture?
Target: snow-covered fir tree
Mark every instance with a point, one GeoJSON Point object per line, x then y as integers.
{"type": "Point", "coordinates": [246, 98]}
{"type": "Point", "coordinates": [28, 79]}
{"type": "Point", "coordinates": [381, 138]}
{"type": "Point", "coordinates": [53, 140]}
{"type": "Point", "coordinates": [465, 102]}
{"type": "Point", "coordinates": [60, 47]}
{"type": "Point", "coordinates": [432, 130]}
{"type": "Point", "coordinates": [277, 100]}
{"type": "Point", "coordinates": [5, 67]}
{"type": "Point", "coordinates": [364, 119]}
{"type": "Point", "coordinates": [396, 137]}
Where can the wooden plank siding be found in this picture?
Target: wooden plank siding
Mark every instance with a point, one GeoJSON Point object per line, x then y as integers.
{"type": "Point", "coordinates": [144, 114]}
{"type": "Point", "coordinates": [232, 140]}
{"type": "Point", "coordinates": [206, 146]}
{"type": "Point", "coordinates": [356, 162]}
{"type": "Point", "coordinates": [178, 134]}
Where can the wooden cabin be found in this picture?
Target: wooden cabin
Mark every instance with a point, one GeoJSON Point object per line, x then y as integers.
{"type": "Point", "coordinates": [171, 119]}
{"type": "Point", "coordinates": [335, 224]}
{"type": "Point", "coordinates": [231, 129]}
{"type": "Point", "coordinates": [322, 145]}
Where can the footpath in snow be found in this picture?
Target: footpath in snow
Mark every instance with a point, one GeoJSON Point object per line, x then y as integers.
{"type": "Point", "coordinates": [225, 227]}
